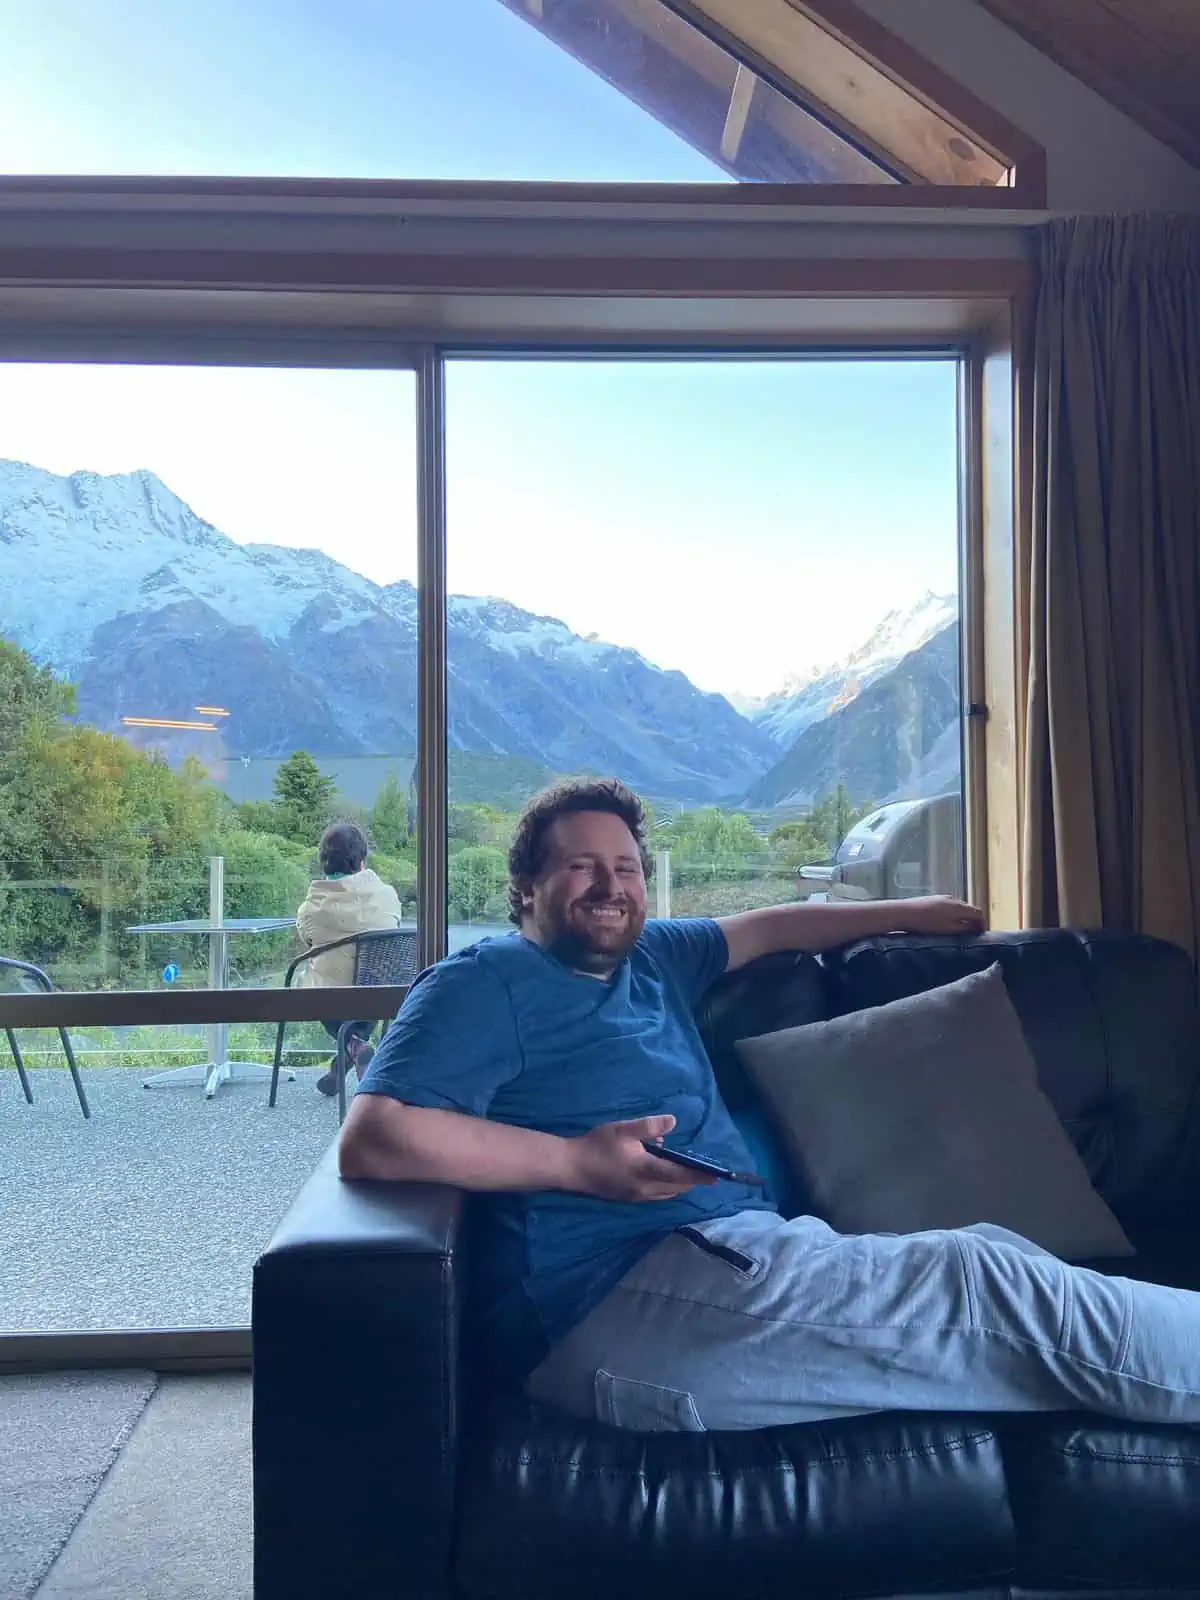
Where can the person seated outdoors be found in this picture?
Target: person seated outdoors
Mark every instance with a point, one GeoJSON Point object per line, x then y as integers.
{"type": "Point", "coordinates": [349, 898]}
{"type": "Point", "coordinates": [534, 1068]}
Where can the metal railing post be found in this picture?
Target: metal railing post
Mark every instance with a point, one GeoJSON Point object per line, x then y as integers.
{"type": "Point", "coordinates": [662, 883]}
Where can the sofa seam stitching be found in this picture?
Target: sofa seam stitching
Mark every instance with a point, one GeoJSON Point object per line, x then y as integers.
{"type": "Point", "coordinates": [908, 1453]}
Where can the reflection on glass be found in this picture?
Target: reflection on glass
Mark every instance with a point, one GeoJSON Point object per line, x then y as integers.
{"type": "Point", "coordinates": [733, 586]}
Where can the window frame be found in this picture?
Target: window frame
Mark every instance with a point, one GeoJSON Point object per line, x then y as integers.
{"type": "Point", "coordinates": [80, 298]}
{"type": "Point", "coordinates": [882, 54]}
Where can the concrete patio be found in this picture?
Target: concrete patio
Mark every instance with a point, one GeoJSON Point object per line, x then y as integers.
{"type": "Point", "coordinates": [151, 1214]}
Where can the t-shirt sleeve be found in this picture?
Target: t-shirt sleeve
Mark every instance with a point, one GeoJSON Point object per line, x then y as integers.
{"type": "Point", "coordinates": [454, 1041]}
{"type": "Point", "coordinates": [691, 950]}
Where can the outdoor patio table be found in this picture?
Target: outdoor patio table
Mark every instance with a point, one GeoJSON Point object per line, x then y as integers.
{"type": "Point", "coordinates": [220, 1069]}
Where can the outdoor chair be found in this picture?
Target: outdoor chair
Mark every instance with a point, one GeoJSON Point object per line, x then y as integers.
{"type": "Point", "coordinates": [40, 981]}
{"type": "Point", "coordinates": [383, 956]}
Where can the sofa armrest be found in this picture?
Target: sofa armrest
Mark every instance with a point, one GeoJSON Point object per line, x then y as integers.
{"type": "Point", "coordinates": [355, 1325]}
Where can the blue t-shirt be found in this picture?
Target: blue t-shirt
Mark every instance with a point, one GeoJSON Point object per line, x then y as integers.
{"type": "Point", "coordinates": [503, 1030]}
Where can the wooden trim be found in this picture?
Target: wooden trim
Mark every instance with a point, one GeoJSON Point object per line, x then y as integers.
{"type": "Point", "coordinates": [1030, 180]}
{"type": "Point", "coordinates": [72, 1008]}
{"type": "Point", "coordinates": [823, 68]}
{"type": "Point", "coordinates": [1170, 119]}
{"type": "Point", "coordinates": [497, 198]}
{"type": "Point", "coordinates": [690, 276]}
{"type": "Point", "coordinates": [1000, 583]}
{"type": "Point", "coordinates": [926, 82]}
{"type": "Point", "coordinates": [684, 76]}
{"type": "Point", "coordinates": [160, 1350]}
{"type": "Point", "coordinates": [974, 677]}
{"type": "Point", "coordinates": [1020, 336]}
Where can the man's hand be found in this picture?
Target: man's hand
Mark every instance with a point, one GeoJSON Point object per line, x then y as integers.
{"type": "Point", "coordinates": [611, 1163]}
{"type": "Point", "coordinates": [938, 913]}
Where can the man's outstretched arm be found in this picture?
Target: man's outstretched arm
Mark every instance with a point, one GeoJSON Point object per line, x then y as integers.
{"type": "Point", "coordinates": [384, 1138]}
{"type": "Point", "coordinates": [805, 926]}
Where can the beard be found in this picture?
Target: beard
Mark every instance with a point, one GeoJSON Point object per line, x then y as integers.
{"type": "Point", "coordinates": [587, 936]}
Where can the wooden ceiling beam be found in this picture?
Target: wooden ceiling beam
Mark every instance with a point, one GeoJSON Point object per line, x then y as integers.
{"type": "Point", "coordinates": [854, 93]}
{"type": "Point", "coordinates": [1143, 56]}
{"type": "Point", "coordinates": [740, 100]}
{"type": "Point", "coordinates": [688, 82]}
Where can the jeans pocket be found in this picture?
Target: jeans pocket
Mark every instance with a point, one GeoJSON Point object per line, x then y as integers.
{"type": "Point", "coordinates": [645, 1407]}
{"type": "Point", "coordinates": [744, 1265]}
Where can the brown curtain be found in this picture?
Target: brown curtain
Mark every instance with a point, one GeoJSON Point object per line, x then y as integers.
{"type": "Point", "coordinates": [1112, 747]}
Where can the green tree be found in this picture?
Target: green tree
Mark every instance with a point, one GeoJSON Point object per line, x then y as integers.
{"type": "Point", "coordinates": [33, 703]}
{"type": "Point", "coordinates": [305, 798]}
{"type": "Point", "coordinates": [797, 844]}
{"type": "Point", "coordinates": [264, 877]}
{"type": "Point", "coordinates": [471, 824]}
{"type": "Point", "coordinates": [389, 818]}
{"type": "Point", "coordinates": [711, 844]}
{"type": "Point", "coordinates": [478, 876]}
{"type": "Point", "coordinates": [31, 699]}
{"type": "Point", "coordinates": [399, 871]}
{"type": "Point", "coordinates": [259, 816]}
{"type": "Point", "coordinates": [94, 834]}
{"type": "Point", "coordinates": [835, 814]}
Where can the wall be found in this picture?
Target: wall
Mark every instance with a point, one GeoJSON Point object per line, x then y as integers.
{"type": "Point", "coordinates": [1099, 159]}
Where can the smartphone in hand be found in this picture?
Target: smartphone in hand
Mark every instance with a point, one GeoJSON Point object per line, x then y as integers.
{"type": "Point", "coordinates": [682, 1158]}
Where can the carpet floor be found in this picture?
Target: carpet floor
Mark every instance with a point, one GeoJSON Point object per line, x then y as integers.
{"type": "Point", "coordinates": [173, 1519]}
{"type": "Point", "coordinates": [59, 1435]}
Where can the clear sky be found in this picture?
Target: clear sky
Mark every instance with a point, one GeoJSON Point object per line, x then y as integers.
{"type": "Point", "coordinates": [741, 522]}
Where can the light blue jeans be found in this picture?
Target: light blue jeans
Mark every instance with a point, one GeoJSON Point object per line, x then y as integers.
{"type": "Point", "coordinates": [751, 1321]}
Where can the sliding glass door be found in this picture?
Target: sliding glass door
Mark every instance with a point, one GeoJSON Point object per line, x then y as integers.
{"type": "Point", "coordinates": [223, 592]}
{"type": "Point", "coordinates": [734, 584]}
{"type": "Point", "coordinates": [208, 652]}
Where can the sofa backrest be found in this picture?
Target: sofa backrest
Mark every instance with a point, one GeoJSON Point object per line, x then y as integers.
{"type": "Point", "coordinates": [1110, 1018]}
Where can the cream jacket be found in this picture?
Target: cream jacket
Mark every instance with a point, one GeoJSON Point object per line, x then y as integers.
{"type": "Point", "coordinates": [337, 907]}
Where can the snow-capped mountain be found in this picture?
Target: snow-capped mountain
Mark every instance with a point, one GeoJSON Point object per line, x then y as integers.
{"type": "Point", "coordinates": [801, 702]}
{"type": "Point", "coordinates": [115, 583]}
{"type": "Point", "coordinates": [897, 738]}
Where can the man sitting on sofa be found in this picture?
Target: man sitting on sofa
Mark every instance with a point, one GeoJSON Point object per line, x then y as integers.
{"type": "Point", "coordinates": [533, 1068]}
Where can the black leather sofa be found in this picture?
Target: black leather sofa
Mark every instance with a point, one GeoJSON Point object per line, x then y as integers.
{"type": "Point", "coordinates": [383, 1468]}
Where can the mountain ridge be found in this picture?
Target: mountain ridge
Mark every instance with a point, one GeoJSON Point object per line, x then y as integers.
{"type": "Point", "coordinates": [115, 582]}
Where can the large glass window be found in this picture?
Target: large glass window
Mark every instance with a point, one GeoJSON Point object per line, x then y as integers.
{"type": "Point", "coordinates": [553, 90]}
{"type": "Point", "coordinates": [732, 584]}
{"type": "Point", "coordinates": [208, 641]}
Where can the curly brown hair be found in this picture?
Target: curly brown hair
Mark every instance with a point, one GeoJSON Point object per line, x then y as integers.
{"type": "Point", "coordinates": [527, 853]}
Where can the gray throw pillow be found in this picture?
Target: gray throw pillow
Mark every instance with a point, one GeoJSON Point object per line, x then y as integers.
{"type": "Point", "coordinates": [927, 1113]}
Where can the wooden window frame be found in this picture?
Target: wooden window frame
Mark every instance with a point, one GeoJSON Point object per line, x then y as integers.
{"type": "Point", "coordinates": [90, 295]}
{"type": "Point", "coordinates": [845, 23]}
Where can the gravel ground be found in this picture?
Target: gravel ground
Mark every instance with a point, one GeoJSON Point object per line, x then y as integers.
{"type": "Point", "coordinates": [151, 1214]}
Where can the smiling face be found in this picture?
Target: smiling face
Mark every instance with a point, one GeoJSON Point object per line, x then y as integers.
{"type": "Point", "coordinates": [587, 905]}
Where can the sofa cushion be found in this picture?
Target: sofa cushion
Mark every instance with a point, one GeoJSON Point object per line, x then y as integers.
{"type": "Point", "coordinates": [926, 1113]}
{"type": "Point", "coordinates": [1102, 1505]}
{"type": "Point", "coordinates": [770, 1160]}
{"type": "Point", "coordinates": [777, 991]}
{"type": "Point", "coordinates": [1170, 1256]}
{"type": "Point", "coordinates": [871, 1505]}
{"type": "Point", "coordinates": [1111, 1022]}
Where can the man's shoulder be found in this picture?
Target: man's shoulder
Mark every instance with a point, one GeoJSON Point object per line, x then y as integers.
{"type": "Point", "coordinates": [664, 936]}
{"type": "Point", "coordinates": [484, 963]}
{"type": "Point", "coordinates": [468, 988]}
